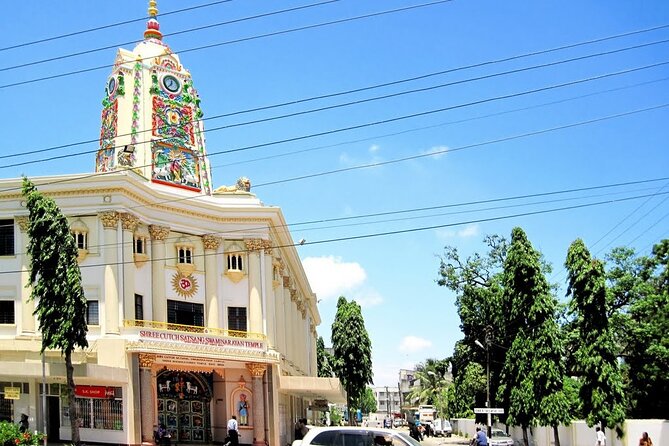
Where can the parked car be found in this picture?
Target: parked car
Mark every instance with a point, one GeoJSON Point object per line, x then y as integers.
{"type": "Point", "coordinates": [355, 436]}
{"type": "Point", "coordinates": [500, 438]}
{"type": "Point", "coordinates": [442, 428]}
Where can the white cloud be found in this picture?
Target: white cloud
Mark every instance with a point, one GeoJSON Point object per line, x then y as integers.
{"type": "Point", "coordinates": [374, 148]}
{"type": "Point", "coordinates": [367, 298]}
{"type": "Point", "coordinates": [466, 232]}
{"type": "Point", "coordinates": [414, 344]}
{"type": "Point", "coordinates": [469, 231]}
{"type": "Point", "coordinates": [330, 277]}
{"type": "Point", "coordinates": [436, 151]}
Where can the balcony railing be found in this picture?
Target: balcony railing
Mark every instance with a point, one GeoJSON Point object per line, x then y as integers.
{"type": "Point", "coordinates": [167, 326]}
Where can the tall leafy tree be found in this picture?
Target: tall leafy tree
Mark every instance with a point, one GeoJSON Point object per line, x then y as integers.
{"type": "Point", "coordinates": [646, 331]}
{"type": "Point", "coordinates": [534, 371]}
{"type": "Point", "coordinates": [352, 351]}
{"type": "Point", "coordinates": [367, 402]}
{"type": "Point", "coordinates": [601, 391]}
{"type": "Point", "coordinates": [56, 285]}
{"type": "Point", "coordinates": [477, 283]}
{"type": "Point", "coordinates": [324, 360]}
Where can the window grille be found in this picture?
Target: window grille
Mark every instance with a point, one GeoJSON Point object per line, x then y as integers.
{"type": "Point", "coordinates": [97, 413]}
{"type": "Point", "coordinates": [6, 237]}
{"type": "Point", "coordinates": [235, 262]}
{"type": "Point", "coordinates": [237, 318]}
{"type": "Point", "coordinates": [7, 312]}
{"type": "Point", "coordinates": [92, 313]}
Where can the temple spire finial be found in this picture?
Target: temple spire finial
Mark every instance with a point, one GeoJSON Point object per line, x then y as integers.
{"type": "Point", "coordinates": [152, 26]}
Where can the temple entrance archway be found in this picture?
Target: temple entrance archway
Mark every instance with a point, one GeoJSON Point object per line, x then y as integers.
{"type": "Point", "coordinates": [183, 405]}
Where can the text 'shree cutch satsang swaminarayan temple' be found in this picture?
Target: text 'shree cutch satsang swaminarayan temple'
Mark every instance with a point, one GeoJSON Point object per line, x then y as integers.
{"type": "Point", "coordinates": [198, 304]}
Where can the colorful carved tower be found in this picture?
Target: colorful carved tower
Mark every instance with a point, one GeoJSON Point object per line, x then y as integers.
{"type": "Point", "coordinates": [151, 116]}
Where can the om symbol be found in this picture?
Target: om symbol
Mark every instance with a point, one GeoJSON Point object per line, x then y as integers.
{"type": "Point", "coordinates": [185, 284]}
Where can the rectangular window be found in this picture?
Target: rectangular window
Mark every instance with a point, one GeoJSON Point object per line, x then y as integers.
{"type": "Point", "coordinates": [237, 318]}
{"type": "Point", "coordinates": [92, 313]}
{"type": "Point", "coordinates": [185, 313]}
{"type": "Point", "coordinates": [97, 413]}
{"type": "Point", "coordinates": [139, 307]}
{"type": "Point", "coordinates": [7, 312]}
{"type": "Point", "coordinates": [6, 237]}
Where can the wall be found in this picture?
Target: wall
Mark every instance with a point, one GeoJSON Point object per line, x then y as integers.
{"type": "Point", "coordinates": [578, 433]}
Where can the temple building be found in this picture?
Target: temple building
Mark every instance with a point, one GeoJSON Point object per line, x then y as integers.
{"type": "Point", "coordinates": [198, 305]}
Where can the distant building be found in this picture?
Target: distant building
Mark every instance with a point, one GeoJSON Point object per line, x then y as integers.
{"type": "Point", "coordinates": [198, 305]}
{"type": "Point", "coordinates": [387, 401]}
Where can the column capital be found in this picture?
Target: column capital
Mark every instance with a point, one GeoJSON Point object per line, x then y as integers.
{"type": "Point", "coordinates": [258, 244]}
{"type": "Point", "coordinates": [293, 295]}
{"type": "Point", "coordinates": [146, 360]}
{"type": "Point", "coordinates": [23, 221]}
{"type": "Point", "coordinates": [109, 219]}
{"type": "Point", "coordinates": [286, 281]}
{"type": "Point", "coordinates": [129, 221]}
{"type": "Point", "coordinates": [257, 370]}
{"type": "Point", "coordinates": [211, 242]}
{"type": "Point", "coordinates": [279, 265]}
{"type": "Point", "coordinates": [159, 232]}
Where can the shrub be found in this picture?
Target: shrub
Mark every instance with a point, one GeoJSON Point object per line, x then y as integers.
{"type": "Point", "coordinates": [11, 436]}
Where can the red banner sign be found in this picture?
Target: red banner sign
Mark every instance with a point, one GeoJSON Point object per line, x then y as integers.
{"type": "Point", "coordinates": [94, 392]}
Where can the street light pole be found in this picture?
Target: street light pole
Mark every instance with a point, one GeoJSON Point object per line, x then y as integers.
{"type": "Point", "coordinates": [488, 341]}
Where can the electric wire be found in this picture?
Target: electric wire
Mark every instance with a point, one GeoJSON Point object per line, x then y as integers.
{"type": "Point", "coordinates": [374, 86]}
{"type": "Point", "coordinates": [441, 124]}
{"type": "Point", "coordinates": [199, 28]}
{"type": "Point", "coordinates": [110, 25]}
{"type": "Point", "coordinates": [355, 127]}
{"type": "Point", "coordinates": [234, 41]}
{"type": "Point", "coordinates": [396, 232]}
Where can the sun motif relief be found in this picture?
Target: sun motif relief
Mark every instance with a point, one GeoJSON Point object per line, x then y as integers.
{"type": "Point", "coordinates": [185, 286]}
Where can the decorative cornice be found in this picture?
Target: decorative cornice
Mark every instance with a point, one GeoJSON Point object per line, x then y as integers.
{"type": "Point", "coordinates": [211, 242]}
{"type": "Point", "coordinates": [286, 281]}
{"type": "Point", "coordinates": [109, 219]}
{"type": "Point", "coordinates": [257, 370]}
{"type": "Point", "coordinates": [279, 265]}
{"type": "Point", "coordinates": [207, 351]}
{"type": "Point", "coordinates": [129, 221]}
{"type": "Point", "coordinates": [159, 232]}
{"type": "Point", "coordinates": [293, 296]}
{"type": "Point", "coordinates": [143, 201]}
{"type": "Point", "coordinates": [146, 360]}
{"type": "Point", "coordinates": [23, 222]}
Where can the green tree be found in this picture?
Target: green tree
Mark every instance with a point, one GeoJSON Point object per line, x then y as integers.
{"type": "Point", "coordinates": [352, 350]}
{"type": "Point", "coordinates": [56, 285]}
{"type": "Point", "coordinates": [601, 391]}
{"type": "Point", "coordinates": [323, 360]}
{"type": "Point", "coordinates": [533, 373]}
{"type": "Point", "coordinates": [642, 283]}
{"type": "Point", "coordinates": [367, 402]}
{"type": "Point", "coordinates": [431, 381]}
{"type": "Point", "coordinates": [477, 283]}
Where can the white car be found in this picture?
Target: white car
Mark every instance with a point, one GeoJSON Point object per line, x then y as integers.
{"type": "Point", "coordinates": [355, 436]}
{"type": "Point", "coordinates": [500, 438]}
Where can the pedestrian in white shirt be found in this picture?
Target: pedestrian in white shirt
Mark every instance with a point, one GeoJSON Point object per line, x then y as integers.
{"type": "Point", "coordinates": [233, 431]}
{"type": "Point", "coordinates": [601, 438]}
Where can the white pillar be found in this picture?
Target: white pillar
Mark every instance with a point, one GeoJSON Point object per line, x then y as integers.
{"type": "Point", "coordinates": [129, 223]}
{"type": "Point", "coordinates": [27, 304]}
{"type": "Point", "coordinates": [258, 404]}
{"type": "Point", "coordinates": [255, 298]}
{"type": "Point", "coordinates": [159, 302]}
{"type": "Point", "coordinates": [211, 244]}
{"type": "Point", "coordinates": [270, 317]}
{"type": "Point", "coordinates": [110, 254]}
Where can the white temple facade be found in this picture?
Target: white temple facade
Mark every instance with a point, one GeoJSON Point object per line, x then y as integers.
{"type": "Point", "coordinates": [198, 305]}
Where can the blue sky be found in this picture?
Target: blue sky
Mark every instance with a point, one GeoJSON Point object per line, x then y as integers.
{"type": "Point", "coordinates": [498, 139]}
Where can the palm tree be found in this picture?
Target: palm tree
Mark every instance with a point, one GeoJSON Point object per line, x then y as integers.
{"type": "Point", "coordinates": [431, 382]}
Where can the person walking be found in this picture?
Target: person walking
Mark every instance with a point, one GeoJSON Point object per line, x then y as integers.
{"type": "Point", "coordinates": [645, 440]}
{"type": "Point", "coordinates": [601, 438]}
{"type": "Point", "coordinates": [23, 424]}
{"type": "Point", "coordinates": [233, 431]}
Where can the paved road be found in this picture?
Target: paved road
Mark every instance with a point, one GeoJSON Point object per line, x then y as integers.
{"type": "Point", "coordinates": [437, 441]}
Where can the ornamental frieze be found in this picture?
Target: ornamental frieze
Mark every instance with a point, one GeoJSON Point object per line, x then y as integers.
{"type": "Point", "coordinates": [211, 241]}
{"type": "Point", "coordinates": [159, 232]}
{"type": "Point", "coordinates": [129, 222]}
{"type": "Point", "coordinates": [109, 219]}
{"type": "Point", "coordinates": [23, 223]}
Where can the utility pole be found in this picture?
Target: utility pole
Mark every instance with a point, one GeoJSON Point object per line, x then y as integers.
{"type": "Point", "coordinates": [488, 341]}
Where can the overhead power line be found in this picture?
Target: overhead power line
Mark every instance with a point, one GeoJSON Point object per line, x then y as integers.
{"type": "Point", "coordinates": [110, 25]}
{"type": "Point", "coordinates": [371, 87]}
{"type": "Point", "coordinates": [440, 110]}
{"type": "Point", "coordinates": [229, 42]}
{"type": "Point", "coordinates": [400, 231]}
{"type": "Point", "coordinates": [131, 42]}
